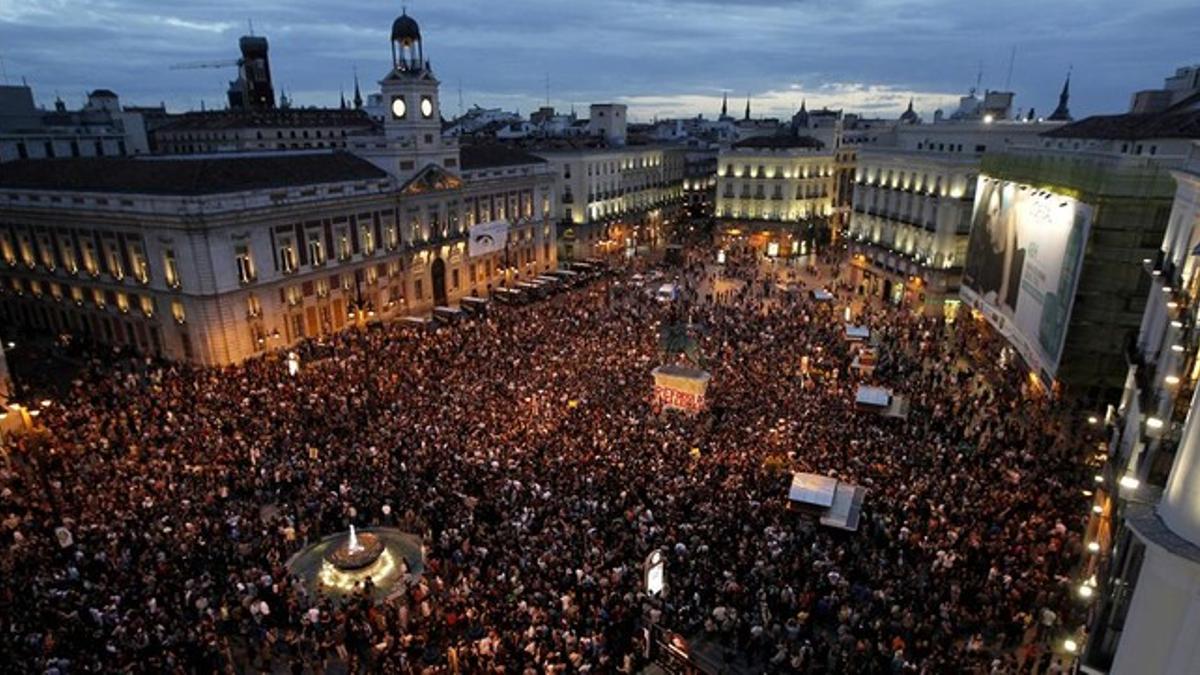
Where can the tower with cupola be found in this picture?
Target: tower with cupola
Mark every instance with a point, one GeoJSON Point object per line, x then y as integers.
{"type": "Point", "coordinates": [412, 124]}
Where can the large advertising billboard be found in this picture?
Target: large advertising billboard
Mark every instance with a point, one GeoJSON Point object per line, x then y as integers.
{"type": "Point", "coordinates": [1022, 266]}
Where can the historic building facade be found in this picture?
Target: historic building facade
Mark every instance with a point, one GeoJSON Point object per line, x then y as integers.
{"type": "Point", "coordinates": [776, 193]}
{"type": "Point", "coordinates": [214, 259]}
{"type": "Point", "coordinates": [615, 198]}
{"type": "Point", "coordinates": [913, 196]}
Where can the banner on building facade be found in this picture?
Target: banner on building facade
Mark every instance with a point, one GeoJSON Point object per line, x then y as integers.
{"type": "Point", "coordinates": [487, 238]}
{"type": "Point", "coordinates": [1023, 264]}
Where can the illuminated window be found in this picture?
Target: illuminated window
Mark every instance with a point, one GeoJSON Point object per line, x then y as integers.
{"type": "Point", "coordinates": [123, 303]}
{"type": "Point", "coordinates": [368, 239]}
{"type": "Point", "coordinates": [77, 295]}
{"type": "Point", "coordinates": [293, 295]}
{"type": "Point", "coordinates": [178, 312]}
{"type": "Point", "coordinates": [287, 256]}
{"type": "Point", "coordinates": [46, 252]}
{"type": "Point", "coordinates": [56, 290]}
{"type": "Point", "coordinates": [147, 304]}
{"type": "Point", "coordinates": [170, 268]}
{"type": "Point", "coordinates": [245, 264]}
{"type": "Point", "coordinates": [141, 266]}
{"type": "Point", "coordinates": [316, 248]}
{"type": "Point", "coordinates": [253, 306]}
{"type": "Point", "coordinates": [322, 288]}
{"type": "Point", "coordinates": [98, 298]}
{"type": "Point", "coordinates": [345, 250]}
{"type": "Point", "coordinates": [6, 248]}
{"type": "Point", "coordinates": [26, 251]}
{"type": "Point", "coordinates": [391, 236]}
{"type": "Point", "coordinates": [115, 267]}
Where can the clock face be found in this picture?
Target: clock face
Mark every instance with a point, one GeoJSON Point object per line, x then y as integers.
{"type": "Point", "coordinates": [398, 107]}
{"type": "Point", "coordinates": [427, 106]}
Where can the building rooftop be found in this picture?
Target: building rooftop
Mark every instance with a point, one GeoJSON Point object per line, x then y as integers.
{"type": "Point", "coordinates": [779, 142]}
{"type": "Point", "coordinates": [495, 155]}
{"type": "Point", "coordinates": [1133, 126]}
{"type": "Point", "coordinates": [187, 175]}
{"type": "Point", "coordinates": [278, 117]}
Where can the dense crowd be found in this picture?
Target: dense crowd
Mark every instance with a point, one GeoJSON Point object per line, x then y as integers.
{"type": "Point", "coordinates": [147, 530]}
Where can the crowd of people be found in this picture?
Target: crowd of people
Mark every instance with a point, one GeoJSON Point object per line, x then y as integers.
{"type": "Point", "coordinates": [147, 529]}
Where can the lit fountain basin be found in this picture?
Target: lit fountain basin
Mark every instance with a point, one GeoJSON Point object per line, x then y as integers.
{"type": "Point", "coordinates": [333, 567]}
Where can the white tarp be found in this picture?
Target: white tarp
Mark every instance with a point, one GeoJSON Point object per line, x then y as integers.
{"type": "Point", "coordinates": [812, 489]}
{"type": "Point", "coordinates": [873, 396]}
{"type": "Point", "coordinates": [1024, 258]}
{"type": "Point", "coordinates": [488, 237]}
{"type": "Point", "coordinates": [857, 332]}
{"type": "Point", "coordinates": [846, 510]}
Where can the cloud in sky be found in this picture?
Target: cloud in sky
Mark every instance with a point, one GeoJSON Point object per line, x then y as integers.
{"type": "Point", "coordinates": [663, 57]}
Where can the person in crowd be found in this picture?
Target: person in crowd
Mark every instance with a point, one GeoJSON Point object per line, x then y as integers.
{"type": "Point", "coordinates": [525, 449]}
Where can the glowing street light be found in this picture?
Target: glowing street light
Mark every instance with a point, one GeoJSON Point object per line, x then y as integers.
{"type": "Point", "coordinates": [1130, 482]}
{"type": "Point", "coordinates": [1097, 509]}
{"type": "Point", "coordinates": [1093, 546]}
{"type": "Point", "coordinates": [1171, 380]}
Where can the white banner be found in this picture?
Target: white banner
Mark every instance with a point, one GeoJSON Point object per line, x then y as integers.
{"type": "Point", "coordinates": [1023, 264]}
{"type": "Point", "coordinates": [487, 238]}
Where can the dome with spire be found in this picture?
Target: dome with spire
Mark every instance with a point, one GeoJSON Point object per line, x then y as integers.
{"type": "Point", "coordinates": [910, 116]}
{"type": "Point", "coordinates": [405, 29]}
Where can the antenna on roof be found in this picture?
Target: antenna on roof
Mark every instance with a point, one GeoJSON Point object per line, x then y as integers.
{"type": "Point", "coordinates": [1011, 58]}
{"type": "Point", "coordinates": [250, 22]}
{"type": "Point", "coordinates": [460, 98]}
{"type": "Point", "coordinates": [547, 90]}
{"type": "Point", "coordinates": [978, 78]}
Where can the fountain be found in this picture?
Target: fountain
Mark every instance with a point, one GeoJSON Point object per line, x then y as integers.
{"type": "Point", "coordinates": [356, 553]}
{"type": "Point", "coordinates": [340, 564]}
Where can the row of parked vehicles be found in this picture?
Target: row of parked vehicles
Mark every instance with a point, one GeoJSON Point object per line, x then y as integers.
{"type": "Point", "coordinates": [572, 274]}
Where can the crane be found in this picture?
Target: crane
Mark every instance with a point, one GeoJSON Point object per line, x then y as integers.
{"type": "Point", "coordinates": [230, 63]}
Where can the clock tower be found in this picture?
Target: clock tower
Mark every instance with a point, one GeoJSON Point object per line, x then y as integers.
{"type": "Point", "coordinates": [412, 125]}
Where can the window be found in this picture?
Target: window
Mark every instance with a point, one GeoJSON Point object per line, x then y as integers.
{"type": "Point", "coordinates": [368, 238]}
{"type": "Point", "coordinates": [147, 304]}
{"type": "Point", "coordinates": [287, 256]}
{"type": "Point", "coordinates": [177, 312]}
{"type": "Point", "coordinates": [454, 279]}
{"type": "Point", "coordinates": [322, 288]}
{"type": "Point", "coordinates": [141, 266]}
{"type": "Point", "coordinates": [245, 264]}
{"type": "Point", "coordinates": [345, 250]}
{"type": "Point", "coordinates": [391, 237]}
{"type": "Point", "coordinates": [316, 248]}
{"type": "Point", "coordinates": [293, 295]}
{"type": "Point", "coordinates": [170, 269]}
{"type": "Point", "coordinates": [418, 289]}
{"type": "Point", "coordinates": [253, 306]}
{"type": "Point", "coordinates": [123, 303]}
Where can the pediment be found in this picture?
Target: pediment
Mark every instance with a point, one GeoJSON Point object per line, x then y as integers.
{"type": "Point", "coordinates": [432, 178]}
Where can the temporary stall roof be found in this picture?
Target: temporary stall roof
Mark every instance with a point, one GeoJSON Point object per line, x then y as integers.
{"type": "Point", "coordinates": [812, 489]}
{"type": "Point", "coordinates": [873, 396]}
{"type": "Point", "coordinates": [822, 295]}
{"type": "Point", "coordinates": [857, 332]}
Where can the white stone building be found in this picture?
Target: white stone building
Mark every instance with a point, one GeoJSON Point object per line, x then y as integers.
{"type": "Point", "coordinates": [776, 193]}
{"type": "Point", "coordinates": [912, 203]}
{"type": "Point", "coordinates": [217, 258]}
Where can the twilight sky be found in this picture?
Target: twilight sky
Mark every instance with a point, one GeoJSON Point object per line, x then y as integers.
{"type": "Point", "coordinates": [662, 57]}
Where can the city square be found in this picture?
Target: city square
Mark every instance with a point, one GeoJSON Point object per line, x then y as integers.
{"type": "Point", "coordinates": [374, 387]}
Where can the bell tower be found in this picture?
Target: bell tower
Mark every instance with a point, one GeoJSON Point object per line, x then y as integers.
{"type": "Point", "coordinates": [412, 123]}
